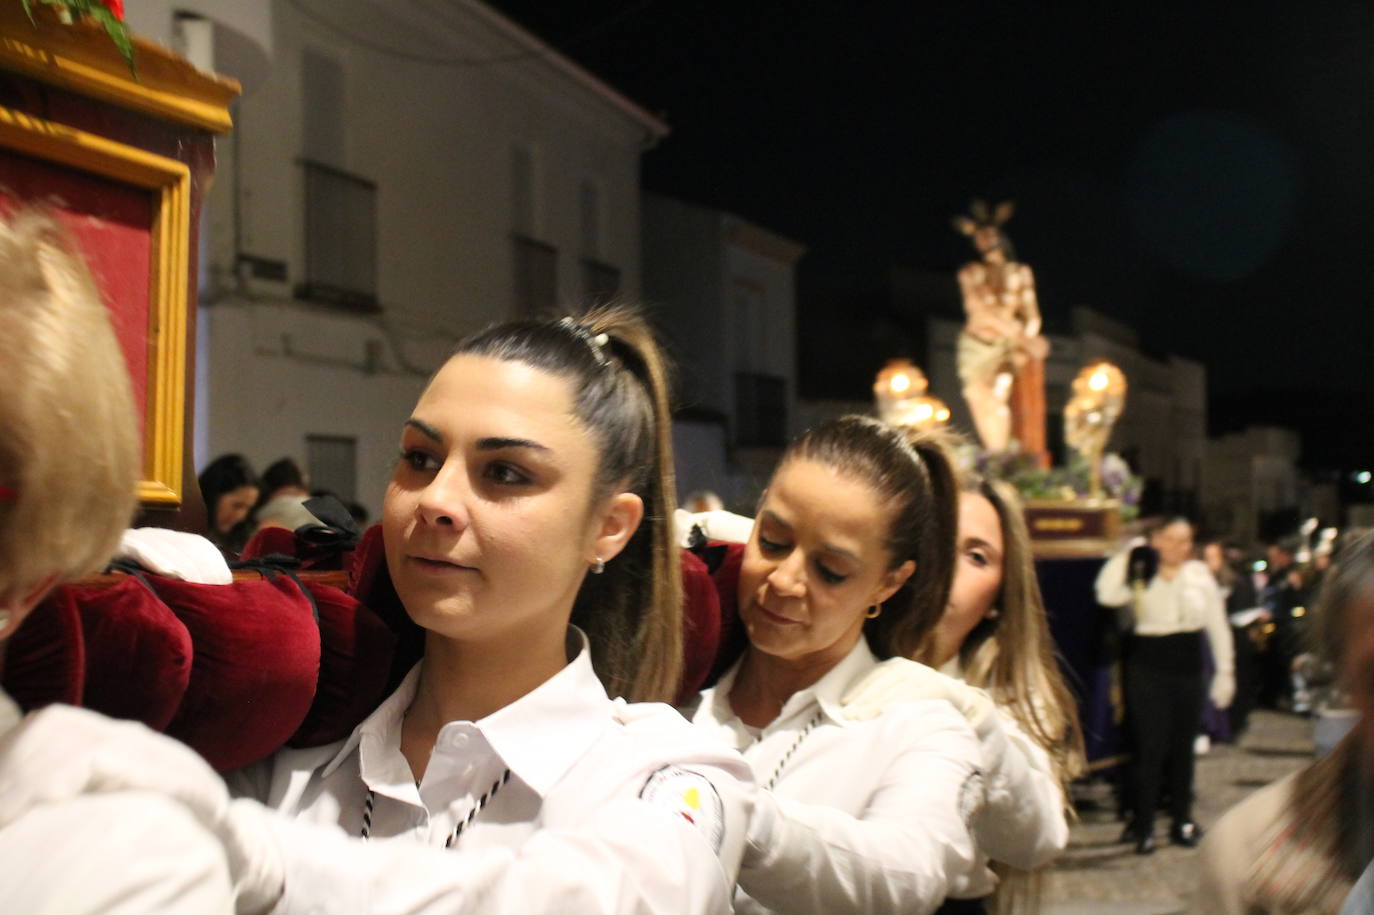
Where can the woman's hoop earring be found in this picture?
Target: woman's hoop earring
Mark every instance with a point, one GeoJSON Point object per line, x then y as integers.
{"type": "Point", "coordinates": [873, 611]}
{"type": "Point", "coordinates": [598, 566]}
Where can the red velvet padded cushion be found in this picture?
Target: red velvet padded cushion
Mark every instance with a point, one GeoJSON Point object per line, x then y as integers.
{"type": "Point", "coordinates": [733, 637]}
{"type": "Point", "coordinates": [700, 625]}
{"type": "Point", "coordinates": [138, 654]}
{"type": "Point", "coordinates": [356, 653]}
{"type": "Point", "coordinates": [45, 660]}
{"type": "Point", "coordinates": [257, 659]}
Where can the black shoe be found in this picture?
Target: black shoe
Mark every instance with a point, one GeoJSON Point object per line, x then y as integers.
{"type": "Point", "coordinates": [1187, 834]}
{"type": "Point", "coordinates": [1145, 845]}
{"type": "Point", "coordinates": [1128, 832]}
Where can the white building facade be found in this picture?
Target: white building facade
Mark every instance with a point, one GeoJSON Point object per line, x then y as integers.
{"type": "Point", "coordinates": [400, 174]}
{"type": "Point", "coordinates": [723, 290]}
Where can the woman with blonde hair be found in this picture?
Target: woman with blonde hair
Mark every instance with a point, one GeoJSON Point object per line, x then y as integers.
{"type": "Point", "coordinates": [994, 634]}
{"type": "Point", "coordinates": [69, 469]}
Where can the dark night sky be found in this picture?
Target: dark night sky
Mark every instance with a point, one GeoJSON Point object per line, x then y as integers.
{"type": "Point", "coordinates": [1204, 175]}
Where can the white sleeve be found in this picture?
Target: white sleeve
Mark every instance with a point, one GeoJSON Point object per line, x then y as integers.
{"type": "Point", "coordinates": [638, 859]}
{"type": "Point", "coordinates": [1023, 822]}
{"type": "Point", "coordinates": [1111, 586]}
{"type": "Point", "coordinates": [1217, 624]}
{"type": "Point", "coordinates": [120, 853]}
{"type": "Point", "coordinates": [898, 856]}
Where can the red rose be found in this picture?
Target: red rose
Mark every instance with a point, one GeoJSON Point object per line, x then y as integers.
{"type": "Point", "coordinates": [116, 7]}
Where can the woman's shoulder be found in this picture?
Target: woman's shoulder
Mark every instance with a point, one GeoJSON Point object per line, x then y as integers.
{"type": "Point", "coordinates": [899, 689]}
{"type": "Point", "coordinates": [660, 730]}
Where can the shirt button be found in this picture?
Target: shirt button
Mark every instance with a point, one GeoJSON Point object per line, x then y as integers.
{"type": "Point", "coordinates": [458, 741]}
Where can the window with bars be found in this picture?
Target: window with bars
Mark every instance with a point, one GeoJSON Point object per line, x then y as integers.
{"type": "Point", "coordinates": [340, 238]}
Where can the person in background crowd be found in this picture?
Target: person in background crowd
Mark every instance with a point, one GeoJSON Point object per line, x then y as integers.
{"type": "Point", "coordinates": [1284, 598]}
{"type": "Point", "coordinates": [875, 784]}
{"type": "Point", "coordinates": [230, 490]}
{"type": "Point", "coordinates": [69, 469]}
{"type": "Point", "coordinates": [284, 494]}
{"type": "Point", "coordinates": [1299, 844]}
{"type": "Point", "coordinates": [994, 634]}
{"type": "Point", "coordinates": [1175, 602]}
{"type": "Point", "coordinates": [1246, 618]}
{"type": "Point", "coordinates": [283, 477]}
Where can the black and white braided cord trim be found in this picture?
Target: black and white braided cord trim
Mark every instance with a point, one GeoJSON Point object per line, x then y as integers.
{"type": "Point", "coordinates": [457, 830]}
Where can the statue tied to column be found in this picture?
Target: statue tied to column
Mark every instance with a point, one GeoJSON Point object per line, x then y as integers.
{"type": "Point", "coordinates": [1001, 352]}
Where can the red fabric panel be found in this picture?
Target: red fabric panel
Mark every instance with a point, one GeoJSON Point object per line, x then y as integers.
{"type": "Point", "coordinates": [138, 654]}
{"type": "Point", "coordinates": [111, 224]}
{"type": "Point", "coordinates": [270, 540]}
{"type": "Point", "coordinates": [700, 624]}
{"type": "Point", "coordinates": [733, 637]}
{"type": "Point", "coordinates": [257, 661]}
{"type": "Point", "coordinates": [45, 660]}
{"type": "Point", "coordinates": [356, 652]}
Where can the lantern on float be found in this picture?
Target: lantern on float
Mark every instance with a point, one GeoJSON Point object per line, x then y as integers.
{"type": "Point", "coordinates": [901, 394]}
{"type": "Point", "coordinates": [1097, 399]}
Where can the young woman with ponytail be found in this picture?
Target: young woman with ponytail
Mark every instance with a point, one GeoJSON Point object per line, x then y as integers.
{"type": "Point", "coordinates": [527, 531]}
{"type": "Point", "coordinates": [868, 806]}
{"type": "Point", "coordinates": [891, 785]}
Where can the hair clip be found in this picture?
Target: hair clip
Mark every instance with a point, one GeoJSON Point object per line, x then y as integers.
{"type": "Point", "coordinates": [8, 494]}
{"type": "Point", "coordinates": [596, 342]}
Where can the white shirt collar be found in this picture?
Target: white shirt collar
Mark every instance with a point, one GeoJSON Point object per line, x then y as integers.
{"type": "Point", "coordinates": [825, 692]}
{"type": "Point", "coordinates": [538, 736]}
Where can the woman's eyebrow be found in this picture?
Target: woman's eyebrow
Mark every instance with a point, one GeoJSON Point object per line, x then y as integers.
{"type": "Point", "coordinates": [424, 429]}
{"type": "Point", "coordinates": [498, 444]}
{"type": "Point", "coordinates": [980, 542]}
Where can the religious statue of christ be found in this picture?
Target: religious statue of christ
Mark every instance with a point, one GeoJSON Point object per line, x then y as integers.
{"type": "Point", "coordinates": [1001, 351]}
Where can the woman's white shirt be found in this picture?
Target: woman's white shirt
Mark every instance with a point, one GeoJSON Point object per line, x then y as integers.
{"type": "Point", "coordinates": [863, 816]}
{"type": "Point", "coordinates": [610, 807]}
{"type": "Point", "coordinates": [1188, 602]}
{"type": "Point", "coordinates": [1024, 824]}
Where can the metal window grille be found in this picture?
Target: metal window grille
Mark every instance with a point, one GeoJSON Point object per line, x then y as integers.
{"type": "Point", "coordinates": [332, 462]}
{"type": "Point", "coordinates": [340, 238]}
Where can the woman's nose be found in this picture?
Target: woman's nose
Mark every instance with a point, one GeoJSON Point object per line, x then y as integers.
{"type": "Point", "coordinates": [444, 501]}
{"type": "Point", "coordinates": [787, 578]}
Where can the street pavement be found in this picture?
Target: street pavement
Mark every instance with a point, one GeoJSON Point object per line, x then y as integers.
{"type": "Point", "coordinates": [1099, 874]}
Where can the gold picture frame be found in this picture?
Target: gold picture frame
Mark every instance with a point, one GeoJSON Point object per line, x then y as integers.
{"type": "Point", "coordinates": [169, 183]}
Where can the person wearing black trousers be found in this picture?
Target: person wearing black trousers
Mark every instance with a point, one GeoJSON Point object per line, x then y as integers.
{"type": "Point", "coordinates": [1174, 602]}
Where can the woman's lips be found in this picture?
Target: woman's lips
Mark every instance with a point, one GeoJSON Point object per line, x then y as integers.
{"type": "Point", "coordinates": [775, 618]}
{"type": "Point", "coordinates": [438, 566]}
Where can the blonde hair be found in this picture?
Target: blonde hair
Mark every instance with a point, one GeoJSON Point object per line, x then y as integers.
{"type": "Point", "coordinates": [1011, 655]}
{"type": "Point", "coordinates": [632, 613]}
{"type": "Point", "coordinates": [70, 450]}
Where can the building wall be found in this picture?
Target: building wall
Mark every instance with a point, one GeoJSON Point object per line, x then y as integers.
{"type": "Point", "coordinates": [724, 293]}
{"type": "Point", "coordinates": [439, 143]}
{"type": "Point", "coordinates": [1248, 475]}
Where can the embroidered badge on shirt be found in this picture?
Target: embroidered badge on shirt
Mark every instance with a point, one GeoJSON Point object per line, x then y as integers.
{"type": "Point", "coordinates": [690, 796]}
